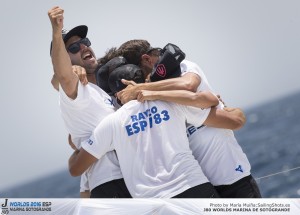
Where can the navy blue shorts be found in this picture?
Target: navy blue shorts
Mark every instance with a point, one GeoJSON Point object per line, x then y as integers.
{"type": "Point", "coordinates": [111, 189]}
{"type": "Point", "coordinates": [205, 190]}
{"type": "Point", "coordinates": [243, 188]}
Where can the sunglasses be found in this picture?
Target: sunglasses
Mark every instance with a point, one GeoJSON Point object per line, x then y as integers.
{"type": "Point", "coordinates": [75, 47]}
{"type": "Point", "coordinates": [154, 51]}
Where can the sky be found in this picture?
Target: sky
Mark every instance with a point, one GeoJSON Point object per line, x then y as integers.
{"type": "Point", "coordinates": [249, 51]}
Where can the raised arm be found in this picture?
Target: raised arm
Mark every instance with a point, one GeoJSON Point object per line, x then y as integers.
{"type": "Point", "coordinates": [229, 118]}
{"type": "Point", "coordinates": [55, 82]}
{"type": "Point", "coordinates": [189, 82]}
{"type": "Point", "coordinates": [204, 99]}
{"type": "Point", "coordinates": [60, 59]}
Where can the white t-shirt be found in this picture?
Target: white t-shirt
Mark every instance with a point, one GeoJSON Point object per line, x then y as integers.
{"type": "Point", "coordinates": [217, 150]}
{"type": "Point", "coordinates": [152, 147]}
{"type": "Point", "coordinates": [81, 116]}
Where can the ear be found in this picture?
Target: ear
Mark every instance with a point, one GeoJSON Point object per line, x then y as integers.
{"type": "Point", "coordinates": [146, 59]}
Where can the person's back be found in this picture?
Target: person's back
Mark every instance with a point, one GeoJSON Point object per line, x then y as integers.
{"type": "Point", "coordinates": [152, 147]}
{"type": "Point", "coordinates": [217, 150]}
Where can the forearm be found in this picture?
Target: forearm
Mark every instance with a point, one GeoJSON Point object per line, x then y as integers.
{"type": "Point", "coordinates": [72, 162]}
{"type": "Point", "coordinates": [232, 119]}
{"type": "Point", "coordinates": [55, 82]}
{"type": "Point", "coordinates": [202, 99]}
{"type": "Point", "coordinates": [62, 67]}
{"type": "Point", "coordinates": [80, 161]}
{"type": "Point", "coordinates": [188, 82]}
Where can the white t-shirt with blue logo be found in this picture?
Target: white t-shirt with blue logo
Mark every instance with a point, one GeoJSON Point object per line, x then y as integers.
{"type": "Point", "coordinates": [152, 147]}
{"type": "Point", "coordinates": [217, 150]}
{"type": "Point", "coordinates": [81, 116]}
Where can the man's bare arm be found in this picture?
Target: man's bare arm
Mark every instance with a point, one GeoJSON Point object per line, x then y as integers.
{"type": "Point", "coordinates": [85, 194]}
{"type": "Point", "coordinates": [60, 59]}
{"type": "Point", "coordinates": [204, 99]}
{"type": "Point", "coordinates": [55, 82]}
{"type": "Point", "coordinates": [189, 82]}
{"type": "Point", "coordinates": [229, 118]}
{"type": "Point", "coordinates": [80, 161]}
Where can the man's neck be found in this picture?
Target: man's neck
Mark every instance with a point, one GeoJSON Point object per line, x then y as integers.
{"type": "Point", "coordinates": [91, 78]}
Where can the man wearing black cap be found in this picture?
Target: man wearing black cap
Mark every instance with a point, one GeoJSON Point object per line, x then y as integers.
{"type": "Point", "coordinates": [79, 52]}
{"type": "Point", "coordinates": [83, 107]}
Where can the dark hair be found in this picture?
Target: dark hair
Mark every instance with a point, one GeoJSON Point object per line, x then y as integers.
{"type": "Point", "coordinates": [109, 54]}
{"type": "Point", "coordinates": [133, 50]}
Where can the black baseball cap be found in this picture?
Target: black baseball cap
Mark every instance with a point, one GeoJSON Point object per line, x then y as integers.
{"type": "Point", "coordinates": [80, 30]}
{"type": "Point", "coordinates": [129, 72]}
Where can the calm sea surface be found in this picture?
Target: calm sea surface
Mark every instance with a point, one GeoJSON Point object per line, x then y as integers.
{"type": "Point", "coordinates": [271, 140]}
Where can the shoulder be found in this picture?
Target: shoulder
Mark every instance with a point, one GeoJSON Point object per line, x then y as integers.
{"type": "Point", "coordinates": [97, 88]}
{"type": "Point", "coordinates": [190, 67]}
{"type": "Point", "coordinates": [187, 63]}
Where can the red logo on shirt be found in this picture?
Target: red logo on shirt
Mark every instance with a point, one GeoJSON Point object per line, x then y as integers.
{"type": "Point", "coordinates": [161, 70]}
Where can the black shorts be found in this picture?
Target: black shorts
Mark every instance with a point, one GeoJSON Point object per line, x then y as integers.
{"type": "Point", "coordinates": [205, 190]}
{"type": "Point", "coordinates": [111, 189]}
{"type": "Point", "coordinates": [243, 188]}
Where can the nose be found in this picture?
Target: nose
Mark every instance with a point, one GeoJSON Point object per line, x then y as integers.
{"type": "Point", "coordinates": [82, 46]}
